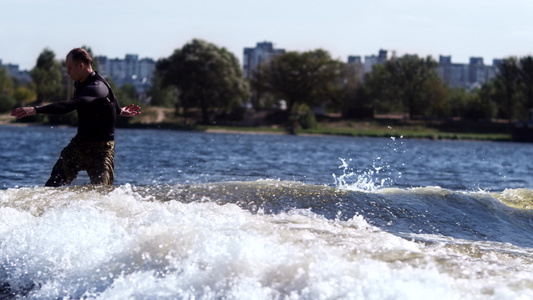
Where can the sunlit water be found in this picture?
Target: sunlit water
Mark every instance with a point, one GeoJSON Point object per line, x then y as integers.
{"type": "Point", "coordinates": [229, 216]}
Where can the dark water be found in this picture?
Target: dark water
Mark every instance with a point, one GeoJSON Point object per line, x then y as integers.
{"type": "Point", "coordinates": [147, 157]}
{"type": "Point", "coordinates": [231, 216]}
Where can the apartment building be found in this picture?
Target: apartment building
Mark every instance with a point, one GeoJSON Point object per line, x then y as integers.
{"type": "Point", "coordinates": [372, 60]}
{"type": "Point", "coordinates": [468, 76]}
{"type": "Point", "coordinates": [130, 69]}
{"type": "Point", "coordinates": [14, 71]}
{"type": "Point", "coordinates": [254, 57]}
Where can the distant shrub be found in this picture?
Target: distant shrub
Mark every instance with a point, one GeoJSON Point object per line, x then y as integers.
{"type": "Point", "coordinates": [7, 103]}
{"type": "Point", "coordinates": [303, 116]}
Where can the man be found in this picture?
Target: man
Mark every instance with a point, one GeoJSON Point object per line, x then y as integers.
{"type": "Point", "coordinates": [92, 149]}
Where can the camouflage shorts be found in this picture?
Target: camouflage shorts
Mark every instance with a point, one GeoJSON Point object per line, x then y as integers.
{"type": "Point", "coordinates": [94, 157]}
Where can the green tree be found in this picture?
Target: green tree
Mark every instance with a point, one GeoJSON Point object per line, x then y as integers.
{"type": "Point", "coordinates": [480, 104]}
{"type": "Point", "coordinates": [260, 97]}
{"type": "Point", "coordinates": [407, 84]}
{"type": "Point", "coordinates": [409, 77]}
{"type": "Point", "coordinates": [302, 115]}
{"type": "Point", "coordinates": [160, 95]}
{"type": "Point", "coordinates": [506, 89]}
{"type": "Point", "coordinates": [128, 93]}
{"type": "Point", "coordinates": [6, 82]}
{"type": "Point", "coordinates": [7, 102]}
{"type": "Point", "coordinates": [456, 102]}
{"type": "Point", "coordinates": [46, 76]}
{"type": "Point", "coordinates": [207, 77]}
{"type": "Point", "coordinates": [475, 105]}
{"type": "Point", "coordinates": [378, 93]}
{"type": "Point", "coordinates": [525, 76]}
{"type": "Point", "coordinates": [307, 78]}
{"type": "Point", "coordinates": [353, 102]}
{"type": "Point", "coordinates": [434, 95]}
{"type": "Point", "coordinates": [24, 95]}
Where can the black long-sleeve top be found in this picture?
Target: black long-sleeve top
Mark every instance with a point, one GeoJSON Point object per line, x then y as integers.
{"type": "Point", "coordinates": [97, 109]}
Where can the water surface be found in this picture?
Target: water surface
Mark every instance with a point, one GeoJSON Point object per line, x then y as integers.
{"type": "Point", "coordinates": [231, 216]}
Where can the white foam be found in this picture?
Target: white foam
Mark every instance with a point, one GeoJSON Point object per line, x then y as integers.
{"type": "Point", "coordinates": [119, 245]}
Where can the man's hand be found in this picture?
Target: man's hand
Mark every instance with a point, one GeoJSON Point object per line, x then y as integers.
{"type": "Point", "coordinates": [130, 110]}
{"type": "Point", "coordinates": [22, 112]}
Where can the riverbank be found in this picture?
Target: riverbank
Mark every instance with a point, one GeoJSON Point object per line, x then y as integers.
{"type": "Point", "coordinates": [392, 132]}
{"type": "Point", "coordinates": [382, 126]}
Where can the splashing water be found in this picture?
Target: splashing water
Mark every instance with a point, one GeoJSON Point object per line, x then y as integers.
{"type": "Point", "coordinates": [379, 175]}
{"type": "Point", "coordinates": [364, 180]}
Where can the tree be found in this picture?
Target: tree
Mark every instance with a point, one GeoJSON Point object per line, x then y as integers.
{"type": "Point", "coordinates": [7, 102]}
{"type": "Point", "coordinates": [307, 78]}
{"type": "Point", "coordinates": [506, 88]}
{"type": "Point", "coordinates": [481, 104]}
{"type": "Point", "coordinates": [162, 96]}
{"type": "Point", "coordinates": [457, 100]}
{"type": "Point", "coordinates": [512, 88]}
{"type": "Point", "coordinates": [434, 98]}
{"type": "Point", "coordinates": [378, 93]}
{"type": "Point", "coordinates": [207, 77]}
{"type": "Point", "coordinates": [24, 95]}
{"type": "Point", "coordinates": [47, 77]}
{"type": "Point", "coordinates": [409, 84]}
{"type": "Point", "coordinates": [409, 78]}
{"type": "Point", "coordinates": [525, 76]}
{"type": "Point", "coordinates": [6, 81]}
{"type": "Point", "coordinates": [354, 103]}
{"type": "Point", "coordinates": [128, 93]}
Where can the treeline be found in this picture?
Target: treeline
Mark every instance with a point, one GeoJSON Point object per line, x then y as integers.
{"type": "Point", "coordinates": [205, 84]}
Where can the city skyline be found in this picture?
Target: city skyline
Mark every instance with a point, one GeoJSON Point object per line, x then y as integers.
{"type": "Point", "coordinates": [489, 29]}
{"type": "Point", "coordinates": [240, 56]}
{"type": "Point", "coordinates": [139, 71]}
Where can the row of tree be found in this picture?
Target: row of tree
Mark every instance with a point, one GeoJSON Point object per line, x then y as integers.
{"type": "Point", "coordinates": [408, 85]}
{"type": "Point", "coordinates": [209, 78]}
{"type": "Point", "coordinates": [204, 77]}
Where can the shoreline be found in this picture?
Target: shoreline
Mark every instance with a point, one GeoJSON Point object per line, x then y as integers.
{"type": "Point", "coordinates": [156, 118]}
{"type": "Point", "coordinates": [384, 133]}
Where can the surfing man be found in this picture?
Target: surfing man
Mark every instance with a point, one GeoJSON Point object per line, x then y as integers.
{"type": "Point", "coordinates": [92, 149]}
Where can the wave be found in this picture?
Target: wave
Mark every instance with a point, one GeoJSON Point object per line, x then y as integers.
{"type": "Point", "coordinates": [502, 217]}
{"type": "Point", "coordinates": [262, 239]}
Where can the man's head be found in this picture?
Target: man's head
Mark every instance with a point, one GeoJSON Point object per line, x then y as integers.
{"type": "Point", "coordinates": [79, 64]}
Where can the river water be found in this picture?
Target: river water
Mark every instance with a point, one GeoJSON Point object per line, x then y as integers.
{"type": "Point", "coordinates": [234, 216]}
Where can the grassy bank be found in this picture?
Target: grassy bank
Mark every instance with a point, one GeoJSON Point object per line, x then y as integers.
{"type": "Point", "coordinates": [419, 132]}
{"type": "Point", "coordinates": [164, 118]}
{"type": "Point", "coordinates": [414, 133]}
{"type": "Point", "coordinates": [379, 127]}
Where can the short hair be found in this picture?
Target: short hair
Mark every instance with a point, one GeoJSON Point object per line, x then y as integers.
{"type": "Point", "coordinates": [81, 55]}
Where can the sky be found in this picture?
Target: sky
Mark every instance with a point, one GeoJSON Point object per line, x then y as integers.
{"type": "Point", "coordinates": [155, 28]}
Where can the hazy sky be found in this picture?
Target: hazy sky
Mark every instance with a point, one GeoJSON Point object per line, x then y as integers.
{"type": "Point", "coordinates": [154, 28]}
